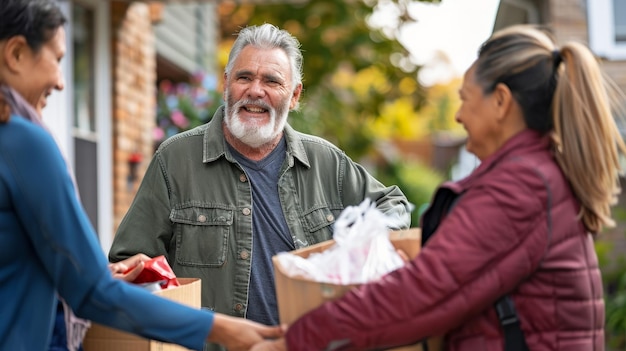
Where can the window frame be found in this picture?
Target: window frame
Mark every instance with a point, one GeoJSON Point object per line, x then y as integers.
{"type": "Point", "coordinates": [601, 29]}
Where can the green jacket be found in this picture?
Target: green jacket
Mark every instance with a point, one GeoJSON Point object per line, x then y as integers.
{"type": "Point", "coordinates": [194, 207]}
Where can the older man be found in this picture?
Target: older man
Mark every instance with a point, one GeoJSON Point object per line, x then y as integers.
{"type": "Point", "coordinates": [220, 200]}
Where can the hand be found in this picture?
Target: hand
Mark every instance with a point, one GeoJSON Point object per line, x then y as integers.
{"type": "Point", "coordinates": [271, 345]}
{"type": "Point", "coordinates": [240, 334]}
{"type": "Point", "coordinates": [403, 256]}
{"type": "Point", "coordinates": [134, 263]}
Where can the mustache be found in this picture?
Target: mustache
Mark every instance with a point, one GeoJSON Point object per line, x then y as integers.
{"type": "Point", "coordinates": [260, 103]}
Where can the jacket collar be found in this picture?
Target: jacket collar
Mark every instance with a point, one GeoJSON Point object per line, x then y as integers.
{"type": "Point", "coordinates": [214, 143]}
{"type": "Point", "coordinates": [524, 142]}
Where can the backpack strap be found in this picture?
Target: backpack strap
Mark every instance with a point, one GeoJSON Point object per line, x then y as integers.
{"type": "Point", "coordinates": [513, 336]}
{"type": "Point", "coordinates": [443, 202]}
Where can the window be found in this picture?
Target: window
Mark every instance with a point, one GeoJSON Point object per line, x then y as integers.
{"type": "Point", "coordinates": [83, 50]}
{"type": "Point", "coordinates": [85, 128]}
{"type": "Point", "coordinates": [607, 28]}
{"type": "Point", "coordinates": [619, 15]}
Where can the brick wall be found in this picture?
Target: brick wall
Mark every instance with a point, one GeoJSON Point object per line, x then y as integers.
{"type": "Point", "coordinates": [134, 84]}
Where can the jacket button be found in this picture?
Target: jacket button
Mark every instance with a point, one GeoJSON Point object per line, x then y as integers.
{"type": "Point", "coordinates": [330, 218]}
{"type": "Point", "coordinates": [246, 211]}
{"type": "Point", "coordinates": [239, 307]}
{"type": "Point", "coordinates": [243, 178]}
{"type": "Point", "coordinates": [244, 255]}
{"type": "Point", "coordinates": [201, 218]}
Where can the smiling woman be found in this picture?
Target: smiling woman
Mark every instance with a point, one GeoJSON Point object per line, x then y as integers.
{"type": "Point", "coordinates": [24, 55]}
{"type": "Point", "coordinates": [50, 246]}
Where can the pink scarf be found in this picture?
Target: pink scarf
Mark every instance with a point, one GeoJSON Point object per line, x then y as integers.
{"type": "Point", "coordinates": [76, 327]}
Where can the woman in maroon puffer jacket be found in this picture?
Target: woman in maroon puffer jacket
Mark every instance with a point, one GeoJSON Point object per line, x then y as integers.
{"type": "Point", "coordinates": [538, 117]}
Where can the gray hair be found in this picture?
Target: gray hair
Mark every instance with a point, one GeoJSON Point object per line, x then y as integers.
{"type": "Point", "coordinates": [268, 36]}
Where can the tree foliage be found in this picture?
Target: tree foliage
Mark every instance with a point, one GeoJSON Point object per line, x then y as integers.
{"type": "Point", "coordinates": [354, 74]}
{"type": "Point", "coordinates": [442, 103]}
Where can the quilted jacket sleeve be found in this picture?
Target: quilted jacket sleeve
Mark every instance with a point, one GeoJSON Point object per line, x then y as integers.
{"type": "Point", "coordinates": [492, 239]}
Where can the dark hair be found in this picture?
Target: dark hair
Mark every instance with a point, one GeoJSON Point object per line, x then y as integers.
{"type": "Point", "coordinates": [525, 63]}
{"type": "Point", "coordinates": [36, 20]}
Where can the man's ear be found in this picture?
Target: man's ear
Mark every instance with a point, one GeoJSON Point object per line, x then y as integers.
{"type": "Point", "coordinates": [225, 81]}
{"type": "Point", "coordinates": [14, 52]}
{"type": "Point", "coordinates": [295, 96]}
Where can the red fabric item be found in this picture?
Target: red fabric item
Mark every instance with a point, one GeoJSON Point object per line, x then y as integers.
{"type": "Point", "coordinates": [157, 269]}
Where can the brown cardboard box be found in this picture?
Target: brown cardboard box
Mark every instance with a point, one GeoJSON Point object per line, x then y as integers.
{"type": "Point", "coordinates": [297, 295]}
{"type": "Point", "coordinates": [101, 338]}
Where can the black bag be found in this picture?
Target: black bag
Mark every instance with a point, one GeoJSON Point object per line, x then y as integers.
{"type": "Point", "coordinates": [443, 202]}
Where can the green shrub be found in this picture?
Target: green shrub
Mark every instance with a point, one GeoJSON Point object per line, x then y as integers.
{"type": "Point", "coordinates": [613, 267]}
{"type": "Point", "coordinates": [416, 180]}
{"type": "Point", "coordinates": [615, 301]}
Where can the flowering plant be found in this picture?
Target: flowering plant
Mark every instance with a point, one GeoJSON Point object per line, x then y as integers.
{"type": "Point", "coordinates": [185, 105]}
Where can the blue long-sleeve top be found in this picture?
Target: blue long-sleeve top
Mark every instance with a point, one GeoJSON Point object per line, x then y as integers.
{"type": "Point", "coordinates": [48, 245]}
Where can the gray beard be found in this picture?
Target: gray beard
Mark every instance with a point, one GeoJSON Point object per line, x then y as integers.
{"type": "Point", "coordinates": [255, 136]}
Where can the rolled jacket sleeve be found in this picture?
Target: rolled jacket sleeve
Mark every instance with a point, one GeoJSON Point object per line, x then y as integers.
{"type": "Point", "coordinates": [146, 228]}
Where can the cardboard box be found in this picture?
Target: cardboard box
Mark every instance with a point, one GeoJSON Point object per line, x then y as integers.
{"type": "Point", "coordinates": [298, 295]}
{"type": "Point", "coordinates": [101, 338]}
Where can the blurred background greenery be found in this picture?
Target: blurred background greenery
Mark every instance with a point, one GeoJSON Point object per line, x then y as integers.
{"type": "Point", "coordinates": [613, 267]}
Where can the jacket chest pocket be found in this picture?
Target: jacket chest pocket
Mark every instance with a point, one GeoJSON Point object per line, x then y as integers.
{"type": "Point", "coordinates": [319, 222]}
{"type": "Point", "coordinates": [202, 235]}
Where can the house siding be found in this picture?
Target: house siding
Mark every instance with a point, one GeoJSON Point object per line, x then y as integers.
{"type": "Point", "coordinates": [187, 36]}
{"type": "Point", "coordinates": [568, 20]}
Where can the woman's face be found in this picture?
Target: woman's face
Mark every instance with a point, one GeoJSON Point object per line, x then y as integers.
{"type": "Point", "coordinates": [37, 74]}
{"type": "Point", "coordinates": [478, 115]}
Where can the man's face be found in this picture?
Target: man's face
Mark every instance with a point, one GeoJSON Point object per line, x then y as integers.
{"type": "Point", "coordinates": [259, 95]}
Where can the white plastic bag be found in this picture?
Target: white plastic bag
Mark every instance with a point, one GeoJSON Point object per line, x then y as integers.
{"type": "Point", "coordinates": [362, 251]}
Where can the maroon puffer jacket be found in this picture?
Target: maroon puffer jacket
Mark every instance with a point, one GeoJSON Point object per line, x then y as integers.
{"type": "Point", "coordinates": [514, 230]}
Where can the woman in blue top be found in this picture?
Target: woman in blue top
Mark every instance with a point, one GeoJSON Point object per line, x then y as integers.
{"type": "Point", "coordinates": [47, 244]}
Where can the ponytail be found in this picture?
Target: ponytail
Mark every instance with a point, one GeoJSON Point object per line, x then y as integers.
{"type": "Point", "coordinates": [586, 137]}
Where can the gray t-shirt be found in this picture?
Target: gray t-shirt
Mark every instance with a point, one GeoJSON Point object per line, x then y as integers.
{"type": "Point", "coordinates": [270, 233]}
